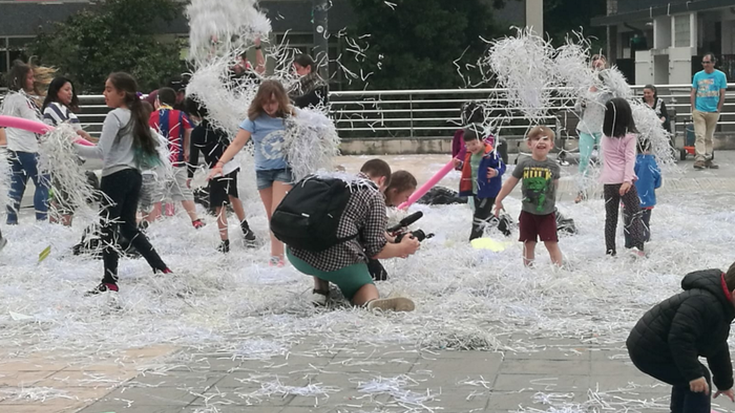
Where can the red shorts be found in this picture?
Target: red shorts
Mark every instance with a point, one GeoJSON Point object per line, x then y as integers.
{"type": "Point", "coordinates": [534, 227]}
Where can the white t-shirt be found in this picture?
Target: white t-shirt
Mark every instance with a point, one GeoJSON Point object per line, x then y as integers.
{"type": "Point", "coordinates": [20, 105]}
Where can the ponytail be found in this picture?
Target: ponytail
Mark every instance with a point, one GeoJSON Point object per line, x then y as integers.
{"type": "Point", "coordinates": [144, 143]}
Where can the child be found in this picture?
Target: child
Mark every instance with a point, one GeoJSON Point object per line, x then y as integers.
{"type": "Point", "coordinates": [175, 126]}
{"type": "Point", "coordinates": [265, 125]}
{"type": "Point", "coordinates": [126, 146]}
{"type": "Point", "coordinates": [473, 115]}
{"type": "Point", "coordinates": [668, 340]}
{"type": "Point", "coordinates": [402, 186]}
{"type": "Point", "coordinates": [222, 190]}
{"type": "Point", "coordinates": [649, 179]}
{"type": "Point", "coordinates": [618, 175]}
{"type": "Point", "coordinates": [481, 179]}
{"type": "Point", "coordinates": [540, 179]}
{"type": "Point", "coordinates": [151, 191]}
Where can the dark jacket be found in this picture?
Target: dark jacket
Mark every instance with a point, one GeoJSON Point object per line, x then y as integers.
{"type": "Point", "coordinates": [690, 324]}
{"type": "Point", "coordinates": [486, 187]}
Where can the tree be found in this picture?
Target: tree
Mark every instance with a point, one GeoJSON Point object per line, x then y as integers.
{"type": "Point", "coordinates": [413, 43]}
{"type": "Point", "coordinates": [117, 35]}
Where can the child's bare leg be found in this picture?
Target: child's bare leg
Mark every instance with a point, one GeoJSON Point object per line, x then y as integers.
{"type": "Point", "coordinates": [554, 251]}
{"type": "Point", "coordinates": [321, 285]}
{"type": "Point", "coordinates": [155, 212]}
{"type": "Point", "coordinates": [191, 209]}
{"type": "Point", "coordinates": [237, 207]}
{"type": "Point", "coordinates": [222, 222]}
{"type": "Point", "coordinates": [366, 293]}
{"type": "Point", "coordinates": [529, 253]}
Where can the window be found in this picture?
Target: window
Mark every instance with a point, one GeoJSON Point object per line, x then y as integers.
{"type": "Point", "coordinates": [682, 31]}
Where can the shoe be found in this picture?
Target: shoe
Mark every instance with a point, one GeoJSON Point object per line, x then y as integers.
{"type": "Point", "coordinates": [276, 262]}
{"type": "Point", "coordinates": [699, 165]}
{"type": "Point", "coordinates": [391, 304]}
{"type": "Point", "coordinates": [611, 253]}
{"type": "Point", "coordinates": [224, 247]}
{"type": "Point", "coordinates": [102, 288]}
{"type": "Point", "coordinates": [143, 225]}
{"type": "Point", "coordinates": [711, 165]}
{"type": "Point", "coordinates": [248, 234]}
{"type": "Point", "coordinates": [319, 297]}
{"type": "Point", "coordinates": [636, 253]}
{"type": "Point", "coordinates": [3, 243]}
{"type": "Point", "coordinates": [580, 197]}
{"type": "Point", "coordinates": [198, 224]}
{"type": "Point", "coordinates": [164, 271]}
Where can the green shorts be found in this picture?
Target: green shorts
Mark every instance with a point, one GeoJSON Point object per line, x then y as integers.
{"type": "Point", "coordinates": [349, 279]}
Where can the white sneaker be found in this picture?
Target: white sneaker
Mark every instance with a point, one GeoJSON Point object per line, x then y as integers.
{"type": "Point", "coordinates": [392, 304]}
{"type": "Point", "coordinates": [319, 298]}
{"type": "Point", "coordinates": [636, 253]}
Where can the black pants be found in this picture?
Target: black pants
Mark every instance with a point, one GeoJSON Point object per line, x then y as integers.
{"type": "Point", "coordinates": [483, 217]}
{"type": "Point", "coordinates": [646, 217]}
{"type": "Point", "coordinates": [123, 190]}
{"type": "Point", "coordinates": [632, 211]}
{"type": "Point", "coordinates": [683, 400]}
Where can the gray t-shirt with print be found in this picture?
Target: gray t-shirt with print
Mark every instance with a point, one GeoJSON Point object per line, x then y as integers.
{"type": "Point", "coordinates": [538, 189]}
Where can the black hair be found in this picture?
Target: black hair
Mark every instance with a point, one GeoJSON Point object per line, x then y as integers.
{"type": "Point", "coordinates": [305, 60]}
{"type": "Point", "coordinates": [167, 96]}
{"type": "Point", "coordinates": [643, 145]}
{"type": "Point", "coordinates": [470, 134]}
{"type": "Point", "coordinates": [618, 119]}
{"type": "Point", "coordinates": [53, 91]}
{"type": "Point", "coordinates": [472, 112]}
{"type": "Point", "coordinates": [142, 136]}
{"type": "Point", "coordinates": [194, 107]}
{"type": "Point", "coordinates": [17, 76]}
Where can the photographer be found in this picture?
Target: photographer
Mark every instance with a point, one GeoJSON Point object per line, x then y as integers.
{"type": "Point", "coordinates": [345, 263]}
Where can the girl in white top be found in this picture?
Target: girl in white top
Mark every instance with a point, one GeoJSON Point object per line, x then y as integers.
{"type": "Point", "coordinates": [23, 145]}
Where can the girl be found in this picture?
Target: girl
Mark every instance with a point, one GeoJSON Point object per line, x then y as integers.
{"type": "Point", "coordinates": [126, 146]}
{"type": "Point", "coordinates": [590, 125]}
{"type": "Point", "coordinates": [618, 155]}
{"type": "Point", "coordinates": [59, 106]}
{"type": "Point", "coordinates": [23, 145]}
{"type": "Point", "coordinates": [212, 143]}
{"type": "Point", "coordinates": [265, 125]}
{"type": "Point", "coordinates": [402, 186]}
{"type": "Point", "coordinates": [311, 89]}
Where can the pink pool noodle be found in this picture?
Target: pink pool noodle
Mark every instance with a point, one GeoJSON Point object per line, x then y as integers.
{"type": "Point", "coordinates": [428, 185]}
{"type": "Point", "coordinates": [34, 126]}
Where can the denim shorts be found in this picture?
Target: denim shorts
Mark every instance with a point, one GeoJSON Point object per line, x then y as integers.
{"type": "Point", "coordinates": [265, 178]}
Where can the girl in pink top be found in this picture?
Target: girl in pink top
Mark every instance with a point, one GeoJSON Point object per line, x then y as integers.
{"type": "Point", "coordinates": [618, 155]}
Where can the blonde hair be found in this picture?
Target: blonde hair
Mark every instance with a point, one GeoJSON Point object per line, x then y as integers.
{"type": "Point", "coordinates": [538, 131]}
{"type": "Point", "coordinates": [267, 89]}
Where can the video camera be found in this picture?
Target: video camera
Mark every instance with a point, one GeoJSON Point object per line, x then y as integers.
{"type": "Point", "coordinates": [401, 229]}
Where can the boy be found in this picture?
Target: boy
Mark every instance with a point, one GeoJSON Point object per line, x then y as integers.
{"type": "Point", "coordinates": [669, 339]}
{"type": "Point", "coordinates": [649, 180]}
{"type": "Point", "coordinates": [212, 143]}
{"type": "Point", "coordinates": [540, 179]}
{"type": "Point", "coordinates": [345, 263]}
{"type": "Point", "coordinates": [481, 179]}
{"type": "Point", "coordinates": [174, 125]}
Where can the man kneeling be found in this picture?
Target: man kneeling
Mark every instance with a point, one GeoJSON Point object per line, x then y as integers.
{"type": "Point", "coordinates": [362, 224]}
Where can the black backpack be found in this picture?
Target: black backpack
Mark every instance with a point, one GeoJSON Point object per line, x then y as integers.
{"type": "Point", "coordinates": [309, 214]}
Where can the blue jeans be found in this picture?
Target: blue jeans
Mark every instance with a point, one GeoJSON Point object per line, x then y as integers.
{"type": "Point", "coordinates": [265, 178]}
{"type": "Point", "coordinates": [25, 165]}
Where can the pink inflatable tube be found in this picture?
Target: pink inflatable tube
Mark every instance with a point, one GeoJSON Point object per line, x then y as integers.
{"type": "Point", "coordinates": [34, 126]}
{"type": "Point", "coordinates": [428, 185]}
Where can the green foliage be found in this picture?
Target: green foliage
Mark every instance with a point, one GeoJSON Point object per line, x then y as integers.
{"type": "Point", "coordinates": [117, 35]}
{"type": "Point", "coordinates": [414, 44]}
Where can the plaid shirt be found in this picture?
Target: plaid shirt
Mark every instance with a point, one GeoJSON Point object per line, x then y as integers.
{"type": "Point", "coordinates": [364, 215]}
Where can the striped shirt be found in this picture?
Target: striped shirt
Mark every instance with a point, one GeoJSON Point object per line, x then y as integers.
{"type": "Point", "coordinates": [57, 113]}
{"type": "Point", "coordinates": [172, 124]}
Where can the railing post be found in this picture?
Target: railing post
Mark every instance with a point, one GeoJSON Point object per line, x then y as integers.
{"type": "Point", "coordinates": [410, 108]}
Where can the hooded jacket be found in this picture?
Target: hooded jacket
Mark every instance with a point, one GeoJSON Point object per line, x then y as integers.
{"type": "Point", "coordinates": [693, 323]}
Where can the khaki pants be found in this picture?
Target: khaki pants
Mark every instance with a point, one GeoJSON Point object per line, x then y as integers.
{"type": "Point", "coordinates": [704, 129]}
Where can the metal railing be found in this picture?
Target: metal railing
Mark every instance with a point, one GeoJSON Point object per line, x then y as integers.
{"type": "Point", "coordinates": [426, 114]}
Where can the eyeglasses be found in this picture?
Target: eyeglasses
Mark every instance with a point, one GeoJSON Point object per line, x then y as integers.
{"type": "Point", "coordinates": [706, 62]}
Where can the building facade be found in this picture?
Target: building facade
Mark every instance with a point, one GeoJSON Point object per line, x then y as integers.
{"type": "Point", "coordinates": [662, 41]}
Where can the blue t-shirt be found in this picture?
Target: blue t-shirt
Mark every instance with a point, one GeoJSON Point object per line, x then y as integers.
{"type": "Point", "coordinates": [708, 87]}
{"type": "Point", "coordinates": [268, 136]}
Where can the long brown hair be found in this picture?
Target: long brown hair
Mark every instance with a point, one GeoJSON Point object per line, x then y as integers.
{"type": "Point", "coordinates": [268, 89]}
{"type": "Point", "coordinates": [142, 136]}
{"type": "Point", "coordinates": [17, 76]}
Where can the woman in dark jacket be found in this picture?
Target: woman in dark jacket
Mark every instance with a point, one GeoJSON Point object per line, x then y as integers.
{"type": "Point", "coordinates": [650, 98]}
{"type": "Point", "coordinates": [311, 89]}
{"type": "Point", "coordinates": [668, 341]}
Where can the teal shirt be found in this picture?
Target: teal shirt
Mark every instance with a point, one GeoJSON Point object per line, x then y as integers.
{"type": "Point", "coordinates": [708, 86]}
{"type": "Point", "coordinates": [475, 160]}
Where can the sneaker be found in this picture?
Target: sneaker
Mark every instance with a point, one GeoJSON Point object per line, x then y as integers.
{"type": "Point", "coordinates": [3, 243]}
{"type": "Point", "coordinates": [699, 165]}
{"type": "Point", "coordinates": [198, 224]}
{"type": "Point", "coordinates": [392, 304]}
{"type": "Point", "coordinates": [164, 271]}
{"type": "Point", "coordinates": [319, 297]}
{"type": "Point", "coordinates": [711, 165]}
{"type": "Point", "coordinates": [102, 288]}
{"type": "Point", "coordinates": [224, 247]}
{"type": "Point", "coordinates": [249, 235]}
{"type": "Point", "coordinates": [143, 225]}
{"type": "Point", "coordinates": [636, 253]}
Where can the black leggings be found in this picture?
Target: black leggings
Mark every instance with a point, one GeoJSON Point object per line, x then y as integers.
{"type": "Point", "coordinates": [632, 210]}
{"type": "Point", "coordinates": [123, 190]}
{"type": "Point", "coordinates": [483, 216]}
{"type": "Point", "coordinates": [683, 400]}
